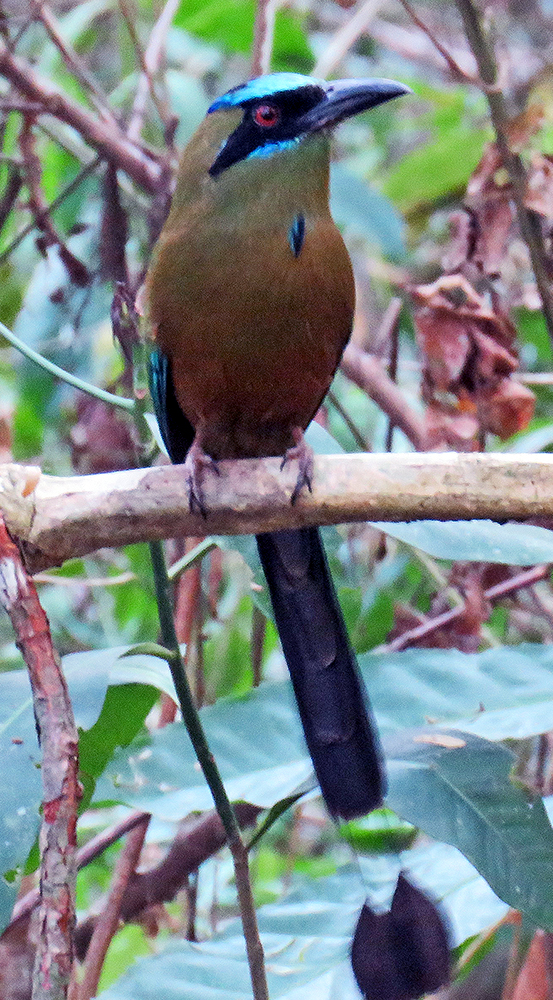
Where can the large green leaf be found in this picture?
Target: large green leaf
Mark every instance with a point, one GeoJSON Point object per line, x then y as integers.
{"type": "Point", "coordinates": [355, 205]}
{"type": "Point", "coordinates": [306, 940]}
{"type": "Point", "coordinates": [256, 741]}
{"type": "Point", "coordinates": [257, 738]}
{"type": "Point", "coordinates": [436, 169]}
{"type": "Point", "coordinates": [500, 693]}
{"type": "Point", "coordinates": [482, 541]}
{"type": "Point", "coordinates": [20, 788]}
{"type": "Point", "coordinates": [307, 934]}
{"type": "Point", "coordinates": [88, 676]}
{"type": "Point", "coordinates": [464, 795]}
{"type": "Point", "coordinates": [229, 23]}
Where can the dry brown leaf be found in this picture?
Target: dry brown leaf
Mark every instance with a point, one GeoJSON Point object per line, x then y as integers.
{"type": "Point", "coordinates": [101, 440]}
{"type": "Point", "coordinates": [532, 979]}
{"type": "Point", "coordinates": [539, 193]}
{"type": "Point", "coordinates": [469, 358]}
{"type": "Point", "coordinates": [508, 409]}
{"type": "Point", "coordinates": [445, 345]}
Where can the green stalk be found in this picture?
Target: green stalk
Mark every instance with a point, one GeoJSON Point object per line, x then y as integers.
{"type": "Point", "coordinates": [191, 716]}
{"type": "Point", "coordinates": [49, 366]}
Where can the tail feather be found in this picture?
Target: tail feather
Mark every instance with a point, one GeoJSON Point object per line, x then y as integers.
{"type": "Point", "coordinates": [337, 721]}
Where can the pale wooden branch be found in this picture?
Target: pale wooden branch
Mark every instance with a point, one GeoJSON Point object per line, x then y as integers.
{"type": "Point", "coordinates": [58, 518]}
{"type": "Point", "coordinates": [263, 32]}
{"type": "Point", "coordinates": [348, 33]}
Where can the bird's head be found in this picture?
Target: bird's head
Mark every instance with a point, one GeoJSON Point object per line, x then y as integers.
{"type": "Point", "coordinates": [280, 111]}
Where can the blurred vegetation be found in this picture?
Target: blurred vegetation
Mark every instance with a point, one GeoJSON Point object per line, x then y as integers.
{"type": "Point", "coordinates": [426, 209]}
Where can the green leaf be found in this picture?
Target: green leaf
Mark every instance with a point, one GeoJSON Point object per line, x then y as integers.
{"type": "Point", "coordinates": [469, 903]}
{"type": "Point", "coordinates": [365, 211]}
{"type": "Point", "coordinates": [128, 944]}
{"type": "Point", "coordinates": [28, 429]}
{"type": "Point", "coordinates": [188, 102]}
{"type": "Point", "coordinates": [462, 795]}
{"type": "Point", "coordinates": [306, 940]}
{"type": "Point", "coordinates": [258, 743]}
{"type": "Point", "coordinates": [499, 693]}
{"type": "Point", "coordinates": [112, 716]}
{"type": "Point", "coordinates": [482, 541]}
{"type": "Point", "coordinates": [465, 797]}
{"type": "Point", "coordinates": [532, 329]}
{"type": "Point", "coordinates": [20, 786]}
{"type": "Point", "coordinates": [307, 935]}
{"type": "Point", "coordinates": [381, 832]}
{"type": "Point", "coordinates": [123, 713]}
{"type": "Point", "coordinates": [256, 767]}
{"type": "Point", "coordinates": [539, 437]}
{"type": "Point", "coordinates": [437, 169]}
{"type": "Point", "coordinates": [229, 23]}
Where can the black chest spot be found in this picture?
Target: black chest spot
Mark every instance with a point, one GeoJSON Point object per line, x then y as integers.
{"type": "Point", "coordinates": [296, 234]}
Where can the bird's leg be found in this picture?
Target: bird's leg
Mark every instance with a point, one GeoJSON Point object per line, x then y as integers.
{"type": "Point", "coordinates": [196, 461]}
{"type": "Point", "coordinates": [303, 452]}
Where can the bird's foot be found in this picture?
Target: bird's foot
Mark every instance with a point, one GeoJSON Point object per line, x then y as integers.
{"type": "Point", "coordinates": [303, 453]}
{"type": "Point", "coordinates": [197, 460]}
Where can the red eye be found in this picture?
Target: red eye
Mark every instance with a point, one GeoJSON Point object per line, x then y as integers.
{"type": "Point", "coordinates": [266, 115]}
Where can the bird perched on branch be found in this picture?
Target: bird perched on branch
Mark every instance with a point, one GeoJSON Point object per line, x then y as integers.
{"type": "Point", "coordinates": [250, 297]}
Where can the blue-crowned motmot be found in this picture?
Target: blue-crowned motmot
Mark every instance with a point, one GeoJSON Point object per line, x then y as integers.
{"type": "Point", "coordinates": [250, 297]}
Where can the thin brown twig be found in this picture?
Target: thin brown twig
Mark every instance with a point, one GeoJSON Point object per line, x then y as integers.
{"type": "Point", "coordinates": [417, 47]}
{"type": "Point", "coordinates": [159, 104]}
{"type": "Point", "coordinates": [76, 270]}
{"type": "Point", "coordinates": [73, 61]}
{"type": "Point", "coordinates": [529, 222]}
{"type": "Point", "coordinates": [24, 107]}
{"type": "Point", "coordinates": [352, 427]}
{"type": "Point", "coordinates": [197, 839]}
{"type": "Point", "coordinates": [388, 325]}
{"type": "Point", "coordinates": [259, 627]}
{"type": "Point", "coordinates": [11, 192]}
{"type": "Point", "coordinates": [107, 140]}
{"type": "Point", "coordinates": [524, 579]}
{"type": "Point", "coordinates": [346, 36]}
{"type": "Point", "coordinates": [392, 318]}
{"type": "Point", "coordinates": [369, 374]}
{"type": "Point", "coordinates": [59, 744]}
{"type": "Point", "coordinates": [108, 922]}
{"type": "Point", "coordinates": [95, 846]}
{"type": "Point", "coordinates": [454, 68]}
{"type": "Point", "coordinates": [152, 58]}
{"type": "Point", "coordinates": [65, 193]}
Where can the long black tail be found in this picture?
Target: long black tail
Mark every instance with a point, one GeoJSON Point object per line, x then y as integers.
{"type": "Point", "coordinates": [335, 714]}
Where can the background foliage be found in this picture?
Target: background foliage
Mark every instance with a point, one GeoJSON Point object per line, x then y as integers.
{"type": "Point", "coordinates": [447, 305]}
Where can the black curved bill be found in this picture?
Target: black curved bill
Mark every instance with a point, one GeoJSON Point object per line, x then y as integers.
{"type": "Point", "coordinates": [345, 98]}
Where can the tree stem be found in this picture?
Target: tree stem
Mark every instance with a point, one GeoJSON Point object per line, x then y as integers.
{"type": "Point", "coordinates": [528, 221]}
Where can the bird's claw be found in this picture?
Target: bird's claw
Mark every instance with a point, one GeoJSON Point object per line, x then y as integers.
{"type": "Point", "coordinates": [196, 461]}
{"type": "Point", "coordinates": [303, 454]}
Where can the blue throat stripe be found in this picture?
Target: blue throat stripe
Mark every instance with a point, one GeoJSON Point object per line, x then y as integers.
{"type": "Point", "coordinates": [270, 148]}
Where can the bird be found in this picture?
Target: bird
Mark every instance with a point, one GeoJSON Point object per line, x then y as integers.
{"type": "Point", "coordinates": [250, 298]}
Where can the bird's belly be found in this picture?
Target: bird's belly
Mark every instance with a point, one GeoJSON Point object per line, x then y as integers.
{"type": "Point", "coordinates": [255, 338]}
